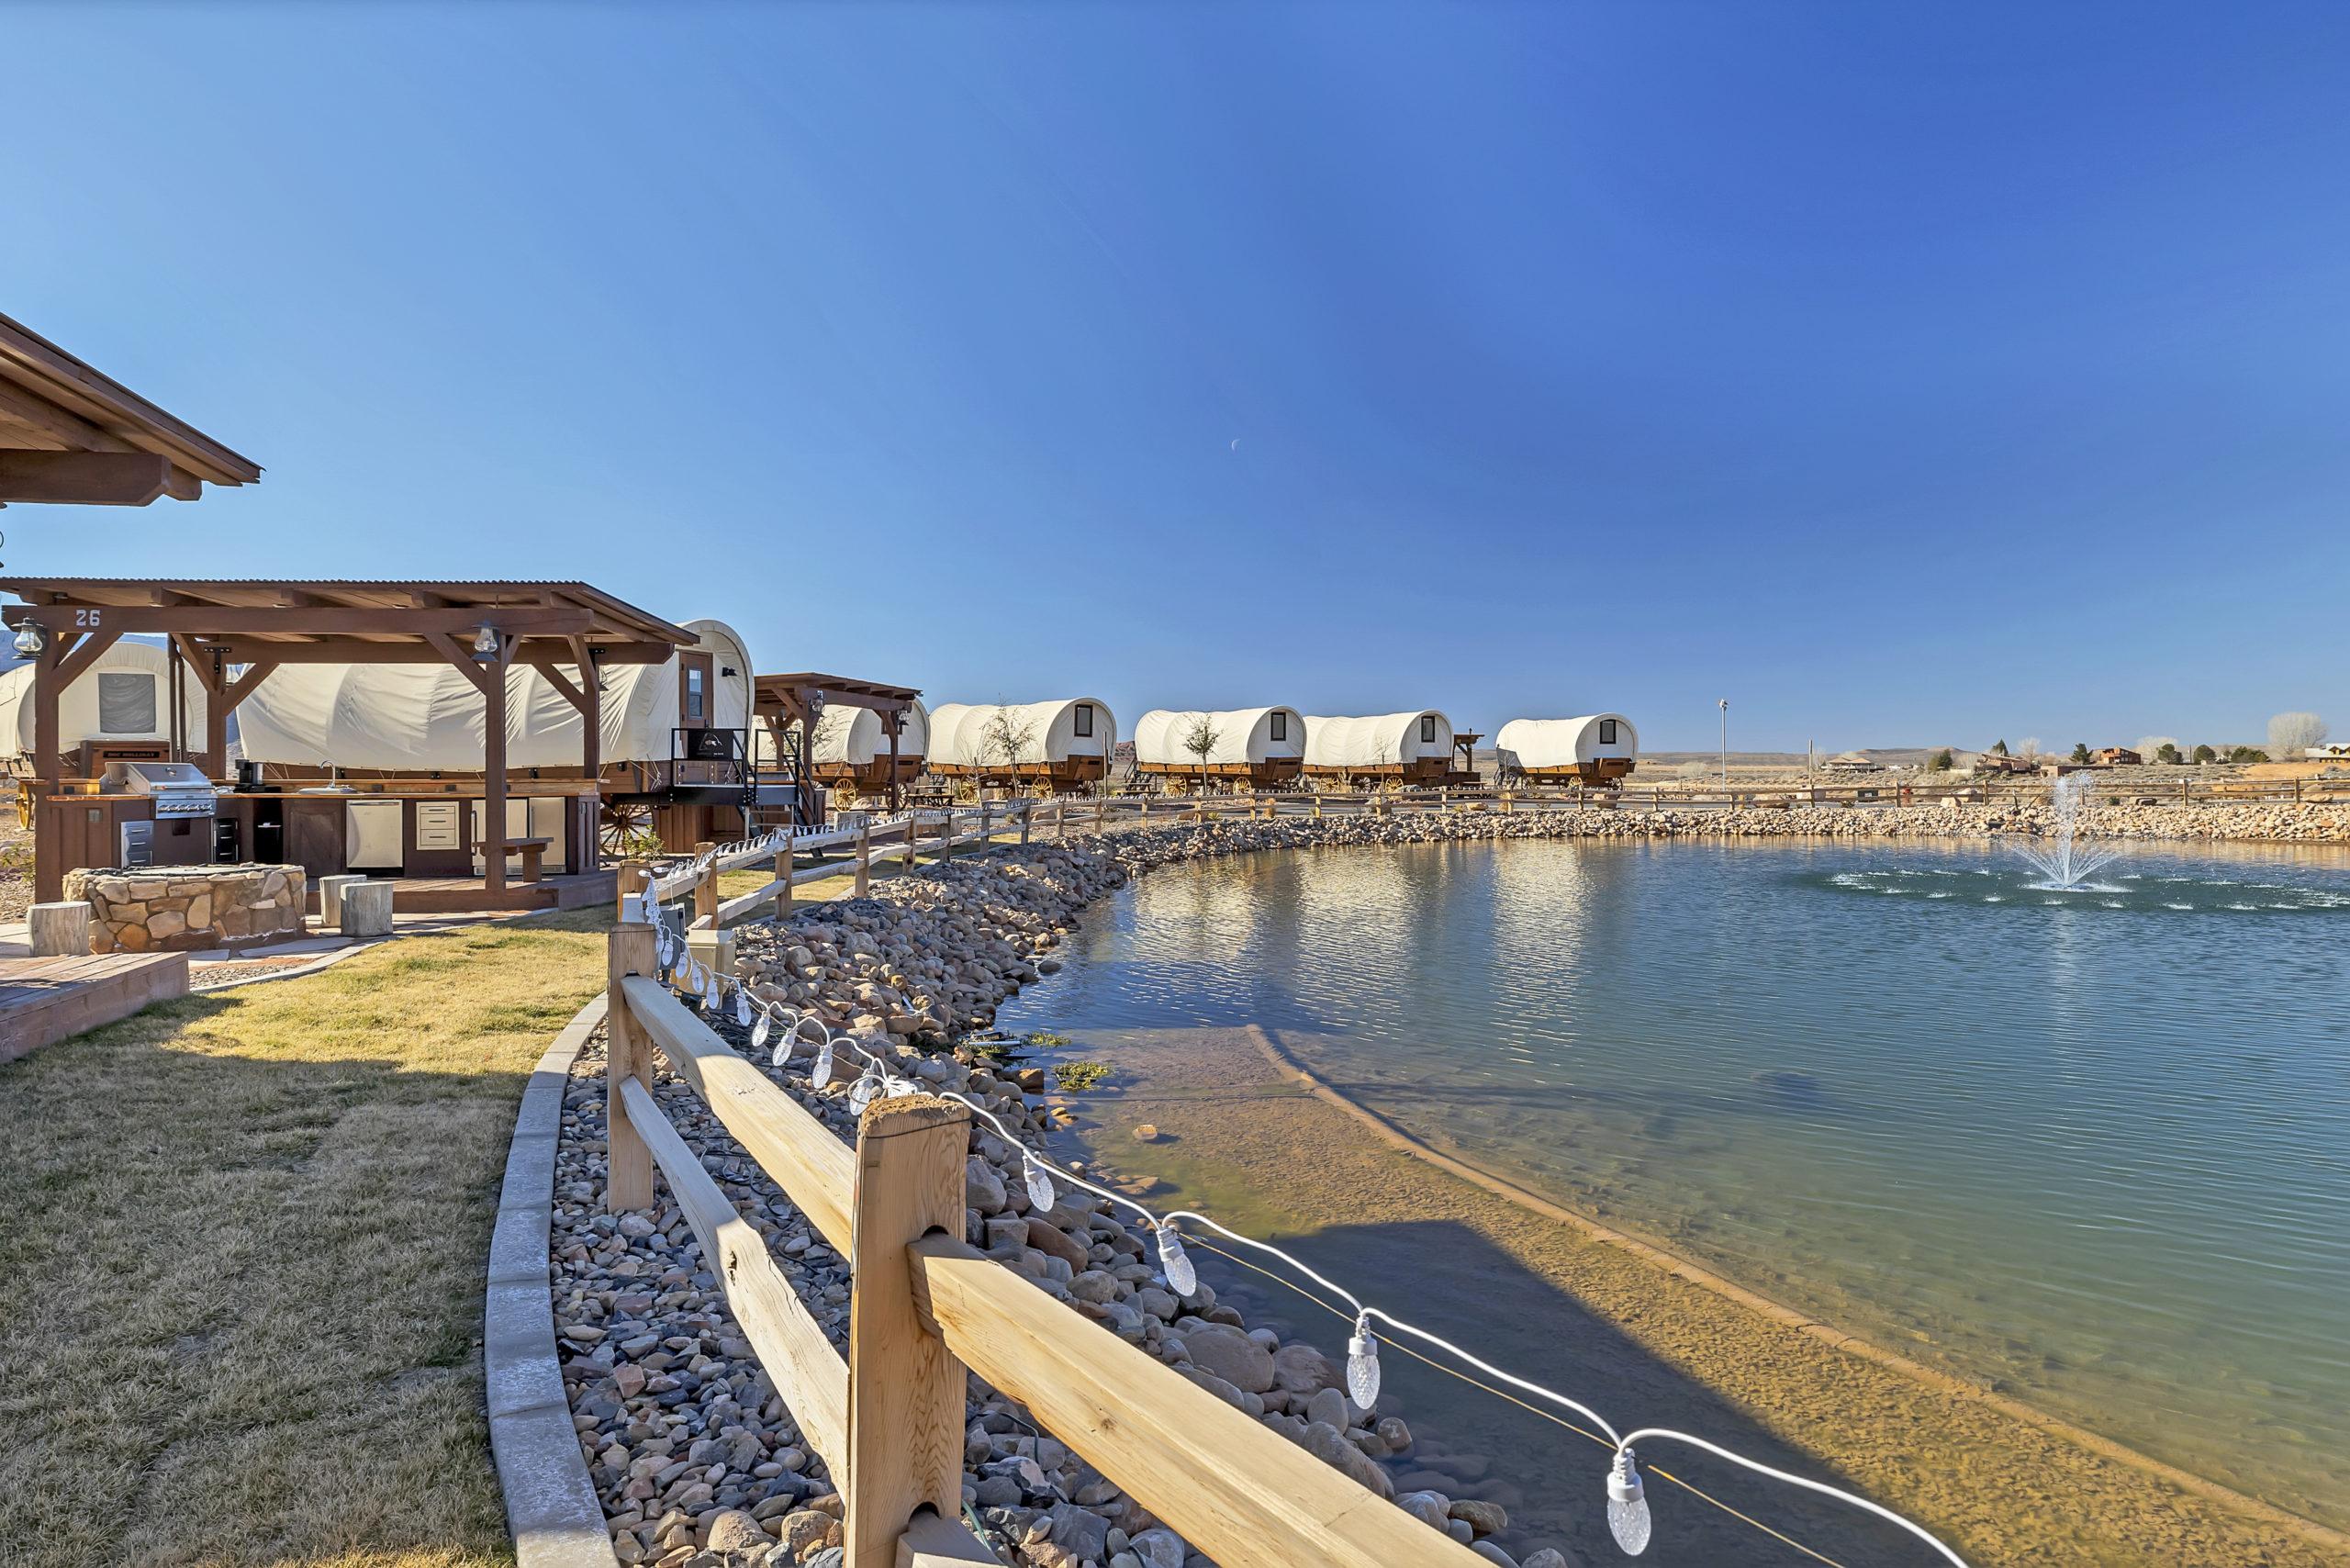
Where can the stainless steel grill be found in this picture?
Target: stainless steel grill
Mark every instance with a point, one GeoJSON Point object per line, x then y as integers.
{"type": "Point", "coordinates": [177, 788]}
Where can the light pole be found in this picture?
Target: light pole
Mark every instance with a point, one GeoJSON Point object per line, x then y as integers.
{"type": "Point", "coordinates": [1724, 705]}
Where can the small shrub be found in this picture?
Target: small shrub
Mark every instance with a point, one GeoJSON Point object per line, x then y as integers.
{"type": "Point", "coordinates": [1941, 762]}
{"type": "Point", "coordinates": [1044, 1040]}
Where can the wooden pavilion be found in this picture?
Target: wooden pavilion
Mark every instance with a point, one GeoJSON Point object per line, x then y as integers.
{"type": "Point", "coordinates": [783, 702]}
{"type": "Point", "coordinates": [229, 635]}
{"type": "Point", "coordinates": [72, 436]}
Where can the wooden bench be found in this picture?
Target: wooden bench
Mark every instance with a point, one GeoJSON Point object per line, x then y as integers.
{"type": "Point", "coordinates": [532, 851]}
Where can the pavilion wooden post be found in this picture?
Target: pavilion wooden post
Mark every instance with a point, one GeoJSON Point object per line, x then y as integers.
{"type": "Point", "coordinates": [892, 721]}
{"type": "Point", "coordinates": [628, 1055]}
{"type": "Point", "coordinates": [48, 873]}
{"type": "Point", "coordinates": [863, 860]}
{"type": "Point", "coordinates": [905, 1388]}
{"type": "Point", "coordinates": [493, 775]}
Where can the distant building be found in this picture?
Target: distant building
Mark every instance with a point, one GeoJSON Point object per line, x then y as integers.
{"type": "Point", "coordinates": [1853, 762]}
{"type": "Point", "coordinates": [1997, 762]}
{"type": "Point", "coordinates": [2332, 751]}
{"type": "Point", "coordinates": [2116, 756]}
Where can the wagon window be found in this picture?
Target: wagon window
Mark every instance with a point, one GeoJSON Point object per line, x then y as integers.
{"type": "Point", "coordinates": [1428, 728]}
{"type": "Point", "coordinates": [697, 694]}
{"type": "Point", "coordinates": [1280, 726]}
{"type": "Point", "coordinates": [127, 704]}
{"type": "Point", "coordinates": [1606, 731]}
{"type": "Point", "coordinates": [1084, 718]}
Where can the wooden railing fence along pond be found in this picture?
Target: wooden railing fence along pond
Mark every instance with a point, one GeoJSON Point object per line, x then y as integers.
{"type": "Point", "coordinates": [889, 1419]}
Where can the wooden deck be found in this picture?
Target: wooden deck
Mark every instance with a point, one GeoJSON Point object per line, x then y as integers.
{"type": "Point", "coordinates": [45, 1000]}
{"type": "Point", "coordinates": [465, 895]}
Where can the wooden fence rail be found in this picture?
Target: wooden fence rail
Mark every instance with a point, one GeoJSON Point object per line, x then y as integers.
{"type": "Point", "coordinates": [890, 1419]}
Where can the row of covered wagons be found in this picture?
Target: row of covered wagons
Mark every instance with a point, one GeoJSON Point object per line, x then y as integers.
{"type": "Point", "coordinates": [1271, 747]}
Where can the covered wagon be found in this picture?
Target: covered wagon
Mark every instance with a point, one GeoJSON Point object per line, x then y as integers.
{"type": "Point", "coordinates": [1262, 748]}
{"type": "Point", "coordinates": [1411, 749]}
{"type": "Point", "coordinates": [1597, 748]}
{"type": "Point", "coordinates": [1063, 745]}
{"type": "Point", "coordinates": [122, 709]}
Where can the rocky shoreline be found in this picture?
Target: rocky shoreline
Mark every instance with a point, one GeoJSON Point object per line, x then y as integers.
{"type": "Point", "coordinates": [697, 1461]}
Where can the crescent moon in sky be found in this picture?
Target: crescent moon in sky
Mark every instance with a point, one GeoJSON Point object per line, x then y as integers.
{"type": "Point", "coordinates": [1235, 444]}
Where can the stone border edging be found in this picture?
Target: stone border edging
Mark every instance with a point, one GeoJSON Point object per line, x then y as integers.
{"type": "Point", "coordinates": [552, 1509]}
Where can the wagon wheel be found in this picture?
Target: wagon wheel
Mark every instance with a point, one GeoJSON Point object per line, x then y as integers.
{"type": "Point", "coordinates": [625, 827]}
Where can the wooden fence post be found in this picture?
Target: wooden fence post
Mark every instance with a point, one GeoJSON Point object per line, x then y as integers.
{"type": "Point", "coordinates": [1099, 809]}
{"type": "Point", "coordinates": [633, 875]}
{"type": "Point", "coordinates": [628, 1182]}
{"type": "Point", "coordinates": [783, 876]}
{"type": "Point", "coordinates": [905, 1389]}
{"type": "Point", "coordinates": [1027, 812]}
{"type": "Point", "coordinates": [706, 886]}
{"type": "Point", "coordinates": [863, 860]}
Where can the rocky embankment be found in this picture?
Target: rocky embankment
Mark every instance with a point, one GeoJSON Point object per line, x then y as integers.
{"type": "Point", "coordinates": [697, 1461]}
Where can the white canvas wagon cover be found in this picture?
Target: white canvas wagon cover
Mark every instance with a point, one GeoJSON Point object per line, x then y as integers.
{"type": "Point", "coordinates": [958, 732]}
{"type": "Point", "coordinates": [1566, 743]}
{"type": "Point", "coordinates": [855, 735]}
{"type": "Point", "coordinates": [1382, 740]}
{"type": "Point", "coordinates": [419, 718]}
{"type": "Point", "coordinates": [1243, 735]}
{"type": "Point", "coordinates": [125, 696]}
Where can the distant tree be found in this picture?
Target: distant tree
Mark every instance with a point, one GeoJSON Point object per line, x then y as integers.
{"type": "Point", "coordinates": [2167, 754]}
{"type": "Point", "coordinates": [2246, 754]}
{"type": "Point", "coordinates": [1941, 762]}
{"type": "Point", "coordinates": [1008, 735]}
{"type": "Point", "coordinates": [1999, 748]}
{"type": "Point", "coordinates": [2030, 747]}
{"type": "Point", "coordinates": [1200, 736]}
{"type": "Point", "coordinates": [2291, 735]}
{"type": "Point", "coordinates": [2204, 753]}
{"type": "Point", "coordinates": [2148, 745]}
{"type": "Point", "coordinates": [2081, 752]}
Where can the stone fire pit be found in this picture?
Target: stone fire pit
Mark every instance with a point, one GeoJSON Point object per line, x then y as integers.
{"type": "Point", "coordinates": [158, 908]}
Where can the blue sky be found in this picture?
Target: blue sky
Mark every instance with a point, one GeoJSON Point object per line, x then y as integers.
{"type": "Point", "coordinates": [1903, 374]}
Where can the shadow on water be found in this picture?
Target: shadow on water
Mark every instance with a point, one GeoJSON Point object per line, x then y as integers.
{"type": "Point", "coordinates": [1472, 1443]}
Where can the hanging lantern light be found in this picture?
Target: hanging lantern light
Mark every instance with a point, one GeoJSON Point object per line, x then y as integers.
{"type": "Point", "coordinates": [1628, 1506]}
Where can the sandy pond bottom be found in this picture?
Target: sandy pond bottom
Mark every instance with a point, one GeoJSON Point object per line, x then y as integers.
{"type": "Point", "coordinates": [1181, 982]}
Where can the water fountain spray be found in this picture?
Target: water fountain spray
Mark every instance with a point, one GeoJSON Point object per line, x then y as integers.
{"type": "Point", "coordinates": [2060, 858]}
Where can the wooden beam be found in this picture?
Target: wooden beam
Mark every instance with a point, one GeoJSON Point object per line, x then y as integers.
{"type": "Point", "coordinates": [84, 479]}
{"type": "Point", "coordinates": [801, 1363]}
{"type": "Point", "coordinates": [416, 650]}
{"type": "Point", "coordinates": [814, 1167]}
{"type": "Point", "coordinates": [216, 622]}
{"type": "Point", "coordinates": [71, 666]}
{"type": "Point", "coordinates": [560, 681]}
{"type": "Point", "coordinates": [1238, 1491]}
{"type": "Point", "coordinates": [49, 871]}
{"type": "Point", "coordinates": [905, 1391]}
{"type": "Point", "coordinates": [462, 657]}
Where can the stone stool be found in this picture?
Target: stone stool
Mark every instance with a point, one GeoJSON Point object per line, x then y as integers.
{"type": "Point", "coordinates": [59, 930]}
{"type": "Point", "coordinates": [331, 898]}
{"type": "Point", "coordinates": [366, 909]}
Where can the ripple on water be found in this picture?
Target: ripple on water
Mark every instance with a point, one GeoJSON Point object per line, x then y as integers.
{"type": "Point", "coordinates": [2030, 1139]}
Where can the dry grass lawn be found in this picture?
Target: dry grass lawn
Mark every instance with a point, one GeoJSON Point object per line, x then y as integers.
{"type": "Point", "coordinates": [244, 1255]}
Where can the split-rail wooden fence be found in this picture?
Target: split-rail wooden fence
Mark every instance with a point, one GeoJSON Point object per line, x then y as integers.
{"type": "Point", "coordinates": [889, 1419]}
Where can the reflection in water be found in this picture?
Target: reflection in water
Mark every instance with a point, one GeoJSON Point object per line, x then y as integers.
{"type": "Point", "coordinates": [2095, 1147]}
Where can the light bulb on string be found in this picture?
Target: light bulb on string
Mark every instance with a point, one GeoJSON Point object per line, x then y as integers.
{"type": "Point", "coordinates": [1040, 1184]}
{"type": "Point", "coordinates": [821, 1072]}
{"type": "Point", "coordinates": [759, 1032]}
{"type": "Point", "coordinates": [1628, 1506]}
{"type": "Point", "coordinates": [1181, 1276]}
{"type": "Point", "coordinates": [861, 1093]}
{"type": "Point", "coordinates": [742, 1006]}
{"type": "Point", "coordinates": [1363, 1364]}
{"type": "Point", "coordinates": [709, 989]}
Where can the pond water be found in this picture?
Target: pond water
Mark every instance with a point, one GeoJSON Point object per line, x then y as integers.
{"type": "Point", "coordinates": [2092, 1145]}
